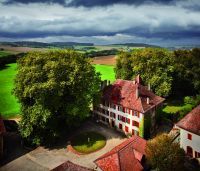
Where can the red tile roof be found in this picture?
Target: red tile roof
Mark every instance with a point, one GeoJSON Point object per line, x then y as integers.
{"type": "Point", "coordinates": [69, 166]}
{"type": "Point", "coordinates": [2, 127]}
{"type": "Point", "coordinates": [126, 156]}
{"type": "Point", "coordinates": [123, 92]}
{"type": "Point", "coordinates": [191, 122]}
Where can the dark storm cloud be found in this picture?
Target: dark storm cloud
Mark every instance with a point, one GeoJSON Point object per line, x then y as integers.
{"type": "Point", "coordinates": [90, 3]}
{"type": "Point", "coordinates": [101, 21]}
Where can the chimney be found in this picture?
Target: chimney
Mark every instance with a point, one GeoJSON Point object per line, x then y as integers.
{"type": "Point", "coordinates": [148, 100]}
{"type": "Point", "coordinates": [137, 91]}
{"type": "Point", "coordinates": [149, 86]}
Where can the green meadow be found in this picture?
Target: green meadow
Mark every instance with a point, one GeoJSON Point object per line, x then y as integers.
{"type": "Point", "coordinates": [4, 54]}
{"type": "Point", "coordinates": [9, 107]}
{"type": "Point", "coordinates": [107, 72]}
{"type": "Point", "coordinates": [8, 103]}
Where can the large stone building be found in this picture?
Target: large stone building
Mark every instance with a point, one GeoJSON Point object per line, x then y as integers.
{"type": "Point", "coordinates": [190, 132]}
{"type": "Point", "coordinates": [129, 106]}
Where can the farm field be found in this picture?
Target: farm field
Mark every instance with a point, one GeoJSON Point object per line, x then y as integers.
{"type": "Point", "coordinates": [104, 60]}
{"type": "Point", "coordinates": [107, 72]}
{"type": "Point", "coordinates": [20, 49]}
{"type": "Point", "coordinates": [8, 103]}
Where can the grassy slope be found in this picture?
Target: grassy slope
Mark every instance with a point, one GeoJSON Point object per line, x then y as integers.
{"type": "Point", "coordinates": [8, 103]}
{"type": "Point", "coordinates": [107, 72]}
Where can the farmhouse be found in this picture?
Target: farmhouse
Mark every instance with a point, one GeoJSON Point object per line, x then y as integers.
{"type": "Point", "coordinates": [190, 132]}
{"type": "Point", "coordinates": [129, 106]}
{"type": "Point", "coordinates": [128, 156]}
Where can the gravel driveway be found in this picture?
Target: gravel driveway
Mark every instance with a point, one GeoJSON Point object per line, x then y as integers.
{"type": "Point", "coordinates": [42, 159]}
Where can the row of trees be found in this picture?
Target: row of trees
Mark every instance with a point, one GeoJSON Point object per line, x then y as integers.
{"type": "Point", "coordinates": [55, 90]}
{"type": "Point", "coordinates": [168, 72]}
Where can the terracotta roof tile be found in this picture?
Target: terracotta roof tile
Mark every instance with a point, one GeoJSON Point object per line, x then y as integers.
{"type": "Point", "coordinates": [126, 156]}
{"type": "Point", "coordinates": [191, 122]}
{"type": "Point", "coordinates": [123, 92]}
{"type": "Point", "coordinates": [69, 166]}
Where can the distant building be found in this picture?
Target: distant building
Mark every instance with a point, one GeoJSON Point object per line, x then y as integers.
{"type": "Point", "coordinates": [127, 156]}
{"type": "Point", "coordinates": [129, 106]}
{"type": "Point", "coordinates": [190, 132]}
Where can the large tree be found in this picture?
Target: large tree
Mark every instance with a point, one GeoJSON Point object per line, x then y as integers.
{"type": "Point", "coordinates": [187, 72]}
{"type": "Point", "coordinates": [164, 154]}
{"type": "Point", "coordinates": [55, 89]}
{"type": "Point", "coordinates": [155, 66]}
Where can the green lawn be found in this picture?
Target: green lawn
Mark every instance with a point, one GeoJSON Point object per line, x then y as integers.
{"type": "Point", "coordinates": [8, 104]}
{"type": "Point", "coordinates": [88, 142]}
{"type": "Point", "coordinates": [107, 72]}
{"type": "Point", "coordinates": [4, 54]}
{"type": "Point", "coordinates": [174, 106]}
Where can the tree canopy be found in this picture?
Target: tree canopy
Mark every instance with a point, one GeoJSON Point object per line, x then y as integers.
{"type": "Point", "coordinates": [165, 155]}
{"type": "Point", "coordinates": [187, 72]}
{"type": "Point", "coordinates": [155, 66]}
{"type": "Point", "coordinates": [55, 89]}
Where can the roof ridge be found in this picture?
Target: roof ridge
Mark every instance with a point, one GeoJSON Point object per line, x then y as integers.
{"type": "Point", "coordinates": [123, 148]}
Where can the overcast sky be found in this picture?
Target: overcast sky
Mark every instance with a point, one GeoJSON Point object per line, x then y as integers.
{"type": "Point", "coordinates": [162, 22]}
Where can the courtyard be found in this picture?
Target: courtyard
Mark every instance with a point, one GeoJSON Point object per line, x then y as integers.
{"type": "Point", "coordinates": [42, 159]}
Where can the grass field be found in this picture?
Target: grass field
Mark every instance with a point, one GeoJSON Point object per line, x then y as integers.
{"type": "Point", "coordinates": [107, 72]}
{"type": "Point", "coordinates": [88, 142]}
{"type": "Point", "coordinates": [8, 104]}
{"type": "Point", "coordinates": [4, 53]}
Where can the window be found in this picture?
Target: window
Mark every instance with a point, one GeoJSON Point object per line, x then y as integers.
{"type": "Point", "coordinates": [124, 109]}
{"type": "Point", "coordinates": [126, 128]}
{"type": "Point", "coordinates": [112, 114]}
{"type": "Point", "coordinates": [123, 118]}
{"type": "Point", "coordinates": [135, 123]}
{"type": "Point", "coordinates": [120, 126]}
{"type": "Point", "coordinates": [134, 132]}
{"type": "Point", "coordinates": [128, 120]}
{"type": "Point", "coordinates": [189, 151]}
{"type": "Point", "coordinates": [189, 136]}
{"type": "Point", "coordinates": [135, 113]}
{"type": "Point", "coordinates": [120, 108]}
{"type": "Point", "coordinates": [119, 117]}
{"type": "Point", "coordinates": [197, 154]}
{"type": "Point", "coordinates": [107, 112]}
